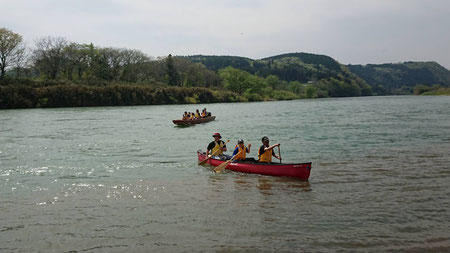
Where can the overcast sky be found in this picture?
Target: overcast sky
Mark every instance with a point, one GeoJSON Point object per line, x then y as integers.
{"type": "Point", "coordinates": [350, 31]}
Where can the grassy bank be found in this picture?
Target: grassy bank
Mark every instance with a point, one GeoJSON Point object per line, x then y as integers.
{"type": "Point", "coordinates": [72, 95]}
{"type": "Point", "coordinates": [438, 92]}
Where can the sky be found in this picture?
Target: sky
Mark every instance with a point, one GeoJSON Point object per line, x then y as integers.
{"type": "Point", "coordinates": [350, 31]}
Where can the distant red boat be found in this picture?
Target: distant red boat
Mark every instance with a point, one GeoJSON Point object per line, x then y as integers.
{"type": "Point", "coordinates": [297, 170]}
{"type": "Point", "coordinates": [194, 121]}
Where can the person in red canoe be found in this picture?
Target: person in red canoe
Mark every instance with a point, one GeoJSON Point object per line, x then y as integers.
{"type": "Point", "coordinates": [242, 156]}
{"type": "Point", "coordinates": [266, 152]}
{"type": "Point", "coordinates": [216, 147]}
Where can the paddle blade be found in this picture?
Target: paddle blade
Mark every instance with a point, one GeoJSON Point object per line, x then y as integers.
{"type": "Point", "coordinates": [221, 167]}
{"type": "Point", "coordinates": [203, 162]}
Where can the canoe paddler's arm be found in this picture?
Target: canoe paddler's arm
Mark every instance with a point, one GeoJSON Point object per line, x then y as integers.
{"type": "Point", "coordinates": [271, 147]}
{"type": "Point", "coordinates": [223, 146]}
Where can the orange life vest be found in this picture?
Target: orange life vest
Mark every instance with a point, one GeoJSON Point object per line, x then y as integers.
{"type": "Point", "coordinates": [240, 155]}
{"type": "Point", "coordinates": [266, 156]}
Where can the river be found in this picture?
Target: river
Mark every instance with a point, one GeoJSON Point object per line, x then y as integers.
{"type": "Point", "coordinates": [116, 179]}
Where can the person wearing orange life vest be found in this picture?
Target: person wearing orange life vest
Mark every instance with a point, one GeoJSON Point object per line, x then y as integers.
{"type": "Point", "coordinates": [241, 147]}
{"type": "Point", "coordinates": [185, 116]}
{"type": "Point", "coordinates": [216, 147]}
{"type": "Point", "coordinates": [266, 152]}
{"type": "Point", "coordinates": [203, 115]}
{"type": "Point", "coordinates": [197, 114]}
{"type": "Point", "coordinates": [241, 152]}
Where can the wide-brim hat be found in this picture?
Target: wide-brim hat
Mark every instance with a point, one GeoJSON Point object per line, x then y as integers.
{"type": "Point", "coordinates": [217, 134]}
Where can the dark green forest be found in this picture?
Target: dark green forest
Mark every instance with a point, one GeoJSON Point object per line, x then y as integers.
{"type": "Point", "coordinates": [402, 78]}
{"type": "Point", "coordinates": [59, 73]}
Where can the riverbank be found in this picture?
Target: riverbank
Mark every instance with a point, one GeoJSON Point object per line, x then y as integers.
{"type": "Point", "coordinates": [71, 95]}
{"type": "Point", "coordinates": [438, 92]}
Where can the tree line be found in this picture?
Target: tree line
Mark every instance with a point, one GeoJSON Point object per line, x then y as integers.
{"type": "Point", "coordinates": [55, 69]}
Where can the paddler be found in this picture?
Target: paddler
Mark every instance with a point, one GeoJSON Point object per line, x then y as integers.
{"type": "Point", "coordinates": [241, 151]}
{"type": "Point", "coordinates": [266, 152]}
{"type": "Point", "coordinates": [197, 114]}
{"type": "Point", "coordinates": [185, 116]}
{"type": "Point", "coordinates": [204, 113]}
{"type": "Point", "coordinates": [216, 147]}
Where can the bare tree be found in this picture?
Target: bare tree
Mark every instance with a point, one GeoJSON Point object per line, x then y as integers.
{"type": "Point", "coordinates": [49, 56]}
{"type": "Point", "coordinates": [10, 47]}
{"type": "Point", "coordinates": [21, 59]}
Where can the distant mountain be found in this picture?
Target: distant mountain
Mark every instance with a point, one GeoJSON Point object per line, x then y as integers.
{"type": "Point", "coordinates": [312, 68]}
{"type": "Point", "coordinates": [409, 74]}
{"type": "Point", "coordinates": [321, 70]}
{"type": "Point", "coordinates": [302, 67]}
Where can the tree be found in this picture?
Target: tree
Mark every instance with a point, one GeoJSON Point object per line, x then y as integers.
{"type": "Point", "coordinates": [10, 48]}
{"type": "Point", "coordinates": [272, 81]}
{"type": "Point", "coordinates": [49, 56]}
{"type": "Point", "coordinates": [172, 73]}
{"type": "Point", "coordinates": [310, 92]}
{"type": "Point", "coordinates": [235, 80]}
{"type": "Point", "coordinates": [21, 59]}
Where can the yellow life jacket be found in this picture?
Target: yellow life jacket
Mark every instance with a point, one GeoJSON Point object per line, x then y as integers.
{"type": "Point", "coordinates": [266, 156]}
{"type": "Point", "coordinates": [197, 115]}
{"type": "Point", "coordinates": [240, 155]}
{"type": "Point", "coordinates": [217, 148]}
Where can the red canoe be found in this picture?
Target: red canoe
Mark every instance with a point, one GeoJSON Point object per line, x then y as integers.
{"type": "Point", "coordinates": [194, 121]}
{"type": "Point", "coordinates": [297, 170]}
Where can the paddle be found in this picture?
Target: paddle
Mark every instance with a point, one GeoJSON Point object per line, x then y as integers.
{"type": "Point", "coordinates": [213, 154]}
{"type": "Point", "coordinates": [222, 166]}
{"type": "Point", "coordinates": [279, 153]}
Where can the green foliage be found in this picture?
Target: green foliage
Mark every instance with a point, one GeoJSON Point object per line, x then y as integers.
{"type": "Point", "coordinates": [23, 96]}
{"type": "Point", "coordinates": [431, 90]}
{"type": "Point", "coordinates": [443, 91]}
{"type": "Point", "coordinates": [310, 92]}
{"type": "Point", "coordinates": [287, 72]}
{"type": "Point", "coordinates": [172, 73]}
{"type": "Point", "coordinates": [9, 49]}
{"type": "Point", "coordinates": [63, 73]}
{"type": "Point", "coordinates": [420, 89]}
{"type": "Point", "coordinates": [283, 95]}
{"type": "Point", "coordinates": [235, 80]}
{"type": "Point", "coordinates": [393, 78]}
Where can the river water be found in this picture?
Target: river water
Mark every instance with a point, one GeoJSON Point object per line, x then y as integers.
{"type": "Point", "coordinates": [116, 179]}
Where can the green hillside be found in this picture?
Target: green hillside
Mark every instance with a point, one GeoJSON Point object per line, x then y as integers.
{"type": "Point", "coordinates": [407, 75]}
{"type": "Point", "coordinates": [323, 73]}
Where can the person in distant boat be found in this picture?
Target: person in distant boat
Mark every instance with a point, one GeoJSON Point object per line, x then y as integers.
{"type": "Point", "coordinates": [185, 116]}
{"type": "Point", "coordinates": [197, 114]}
{"type": "Point", "coordinates": [192, 116]}
{"type": "Point", "coordinates": [204, 113]}
{"type": "Point", "coordinates": [216, 147]}
{"type": "Point", "coordinates": [266, 152]}
{"type": "Point", "coordinates": [241, 151]}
